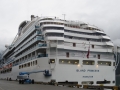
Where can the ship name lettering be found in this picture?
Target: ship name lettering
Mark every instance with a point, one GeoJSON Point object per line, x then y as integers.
{"type": "Point", "coordinates": [88, 70]}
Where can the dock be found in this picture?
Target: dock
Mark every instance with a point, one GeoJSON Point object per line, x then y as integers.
{"type": "Point", "coordinates": [14, 85]}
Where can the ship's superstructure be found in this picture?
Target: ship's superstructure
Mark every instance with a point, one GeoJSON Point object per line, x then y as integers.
{"type": "Point", "coordinates": [71, 51]}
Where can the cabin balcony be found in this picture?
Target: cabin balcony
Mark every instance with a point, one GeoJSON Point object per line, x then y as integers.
{"type": "Point", "coordinates": [37, 27]}
{"type": "Point", "coordinates": [42, 45]}
{"type": "Point", "coordinates": [24, 43]}
{"type": "Point", "coordinates": [40, 38]}
{"type": "Point", "coordinates": [38, 32]}
{"type": "Point", "coordinates": [42, 55]}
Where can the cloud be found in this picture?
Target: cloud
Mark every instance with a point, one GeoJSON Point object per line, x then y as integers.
{"type": "Point", "coordinates": [117, 42]}
{"type": "Point", "coordinates": [101, 13]}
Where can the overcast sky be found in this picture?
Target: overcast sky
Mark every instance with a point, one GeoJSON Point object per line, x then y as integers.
{"type": "Point", "coordinates": [104, 14]}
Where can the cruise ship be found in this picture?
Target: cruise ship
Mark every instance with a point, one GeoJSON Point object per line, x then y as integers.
{"type": "Point", "coordinates": [72, 51]}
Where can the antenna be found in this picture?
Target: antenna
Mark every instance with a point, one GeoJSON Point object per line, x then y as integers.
{"type": "Point", "coordinates": [64, 16]}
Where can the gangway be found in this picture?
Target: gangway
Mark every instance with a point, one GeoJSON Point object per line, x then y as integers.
{"type": "Point", "coordinates": [25, 79]}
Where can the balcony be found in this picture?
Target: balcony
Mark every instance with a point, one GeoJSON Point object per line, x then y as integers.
{"type": "Point", "coordinates": [37, 27]}
{"type": "Point", "coordinates": [9, 61]}
{"type": "Point", "coordinates": [81, 35]}
{"type": "Point", "coordinates": [27, 45]}
{"type": "Point", "coordinates": [40, 38]}
{"type": "Point", "coordinates": [26, 53]}
{"type": "Point", "coordinates": [42, 45]}
{"type": "Point", "coordinates": [42, 55]}
{"type": "Point", "coordinates": [39, 32]}
{"type": "Point", "coordinates": [32, 50]}
{"type": "Point", "coordinates": [24, 43]}
{"type": "Point", "coordinates": [15, 64]}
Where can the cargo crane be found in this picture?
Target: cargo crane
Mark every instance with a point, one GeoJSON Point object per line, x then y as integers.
{"type": "Point", "coordinates": [25, 79]}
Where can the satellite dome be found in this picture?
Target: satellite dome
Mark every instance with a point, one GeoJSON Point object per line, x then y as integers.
{"type": "Point", "coordinates": [6, 46]}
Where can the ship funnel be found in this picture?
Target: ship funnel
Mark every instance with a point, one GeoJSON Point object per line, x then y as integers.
{"type": "Point", "coordinates": [32, 17]}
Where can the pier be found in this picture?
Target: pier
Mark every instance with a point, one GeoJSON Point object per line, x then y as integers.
{"type": "Point", "coordinates": [14, 85]}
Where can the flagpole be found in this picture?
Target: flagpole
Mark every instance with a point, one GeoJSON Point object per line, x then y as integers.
{"type": "Point", "coordinates": [56, 49]}
{"type": "Point", "coordinates": [49, 50]}
{"type": "Point", "coordinates": [116, 59]}
{"type": "Point", "coordinates": [88, 51]}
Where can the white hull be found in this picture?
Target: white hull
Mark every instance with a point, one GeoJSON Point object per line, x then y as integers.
{"type": "Point", "coordinates": [61, 72]}
{"type": "Point", "coordinates": [63, 48]}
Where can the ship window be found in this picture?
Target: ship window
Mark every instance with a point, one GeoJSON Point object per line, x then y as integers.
{"type": "Point", "coordinates": [92, 46]}
{"type": "Point", "coordinates": [67, 54]}
{"type": "Point", "coordinates": [87, 82]}
{"type": "Point", "coordinates": [88, 62]}
{"type": "Point", "coordinates": [103, 82]}
{"type": "Point", "coordinates": [36, 62]}
{"type": "Point", "coordinates": [29, 64]}
{"type": "Point", "coordinates": [53, 28]}
{"type": "Point", "coordinates": [5, 71]}
{"type": "Point", "coordinates": [20, 67]}
{"type": "Point", "coordinates": [98, 56]}
{"type": "Point", "coordinates": [104, 63]}
{"type": "Point", "coordinates": [55, 34]}
{"type": "Point", "coordinates": [67, 61]}
{"type": "Point", "coordinates": [88, 39]}
{"type": "Point", "coordinates": [10, 69]}
{"type": "Point", "coordinates": [41, 24]}
{"type": "Point", "coordinates": [94, 56]}
{"type": "Point", "coordinates": [52, 60]}
{"type": "Point", "coordinates": [113, 81]}
{"type": "Point", "coordinates": [25, 65]}
{"type": "Point", "coordinates": [74, 44]}
{"type": "Point", "coordinates": [113, 63]}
